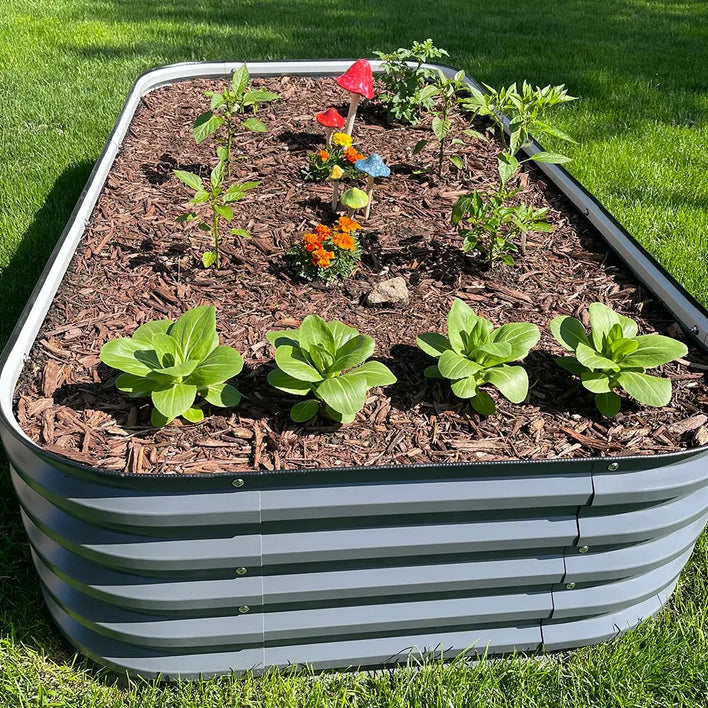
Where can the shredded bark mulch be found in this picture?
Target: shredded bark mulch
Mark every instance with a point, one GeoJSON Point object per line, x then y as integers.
{"type": "Point", "coordinates": [136, 263]}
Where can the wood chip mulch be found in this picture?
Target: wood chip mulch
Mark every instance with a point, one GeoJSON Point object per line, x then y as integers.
{"type": "Point", "coordinates": [136, 263]}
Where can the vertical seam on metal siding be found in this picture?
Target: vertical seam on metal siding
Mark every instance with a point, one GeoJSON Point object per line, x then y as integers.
{"type": "Point", "coordinates": [262, 576]}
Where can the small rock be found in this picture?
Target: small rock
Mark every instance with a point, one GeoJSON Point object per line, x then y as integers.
{"type": "Point", "coordinates": [388, 292]}
{"type": "Point", "coordinates": [701, 436]}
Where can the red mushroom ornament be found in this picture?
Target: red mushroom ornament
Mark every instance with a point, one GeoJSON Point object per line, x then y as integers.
{"type": "Point", "coordinates": [330, 119]}
{"type": "Point", "coordinates": [357, 79]}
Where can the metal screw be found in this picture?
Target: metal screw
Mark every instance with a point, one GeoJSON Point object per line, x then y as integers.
{"type": "Point", "coordinates": [569, 586]}
{"type": "Point", "coordinates": [613, 466]}
{"type": "Point", "coordinates": [241, 571]}
{"type": "Point", "coordinates": [586, 212]}
{"type": "Point", "coordinates": [583, 549]}
{"type": "Point", "coordinates": [694, 329]}
{"type": "Point", "coordinates": [244, 608]}
{"type": "Point", "coordinates": [238, 483]}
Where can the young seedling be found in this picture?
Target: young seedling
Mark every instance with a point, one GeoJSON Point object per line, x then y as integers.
{"type": "Point", "coordinates": [403, 96]}
{"type": "Point", "coordinates": [219, 200]}
{"type": "Point", "coordinates": [173, 363]}
{"type": "Point", "coordinates": [331, 120]}
{"type": "Point", "coordinates": [491, 227]}
{"type": "Point", "coordinates": [227, 106]}
{"type": "Point", "coordinates": [474, 354]}
{"type": "Point", "coordinates": [445, 90]}
{"type": "Point", "coordinates": [326, 360]}
{"type": "Point", "coordinates": [353, 199]}
{"type": "Point", "coordinates": [526, 111]}
{"type": "Point", "coordinates": [373, 167]}
{"type": "Point", "coordinates": [359, 82]}
{"type": "Point", "coordinates": [614, 357]}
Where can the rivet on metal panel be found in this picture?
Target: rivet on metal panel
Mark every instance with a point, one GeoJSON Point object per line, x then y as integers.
{"type": "Point", "coordinates": [244, 608]}
{"type": "Point", "coordinates": [613, 466]}
{"type": "Point", "coordinates": [569, 586]}
{"type": "Point", "coordinates": [583, 549]}
{"type": "Point", "coordinates": [238, 483]}
{"type": "Point", "coordinates": [241, 571]}
{"type": "Point", "coordinates": [694, 329]}
{"type": "Point", "coordinates": [586, 212]}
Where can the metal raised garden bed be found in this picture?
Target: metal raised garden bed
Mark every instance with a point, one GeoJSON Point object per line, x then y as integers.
{"type": "Point", "coordinates": [204, 574]}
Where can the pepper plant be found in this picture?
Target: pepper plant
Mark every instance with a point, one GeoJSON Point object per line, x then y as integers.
{"type": "Point", "coordinates": [475, 353]}
{"type": "Point", "coordinates": [219, 200]}
{"type": "Point", "coordinates": [404, 95]}
{"type": "Point", "coordinates": [614, 357]}
{"type": "Point", "coordinates": [326, 360]}
{"type": "Point", "coordinates": [226, 106]}
{"type": "Point", "coordinates": [174, 363]}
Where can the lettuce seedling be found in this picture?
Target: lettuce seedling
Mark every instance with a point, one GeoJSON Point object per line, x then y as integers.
{"type": "Point", "coordinates": [614, 357]}
{"type": "Point", "coordinates": [219, 200]}
{"type": "Point", "coordinates": [173, 362]}
{"type": "Point", "coordinates": [474, 354]}
{"type": "Point", "coordinates": [228, 104]}
{"type": "Point", "coordinates": [328, 360]}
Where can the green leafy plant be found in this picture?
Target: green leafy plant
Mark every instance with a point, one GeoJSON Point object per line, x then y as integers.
{"type": "Point", "coordinates": [173, 363]}
{"type": "Point", "coordinates": [475, 353]}
{"type": "Point", "coordinates": [229, 104]}
{"type": "Point", "coordinates": [527, 113]}
{"type": "Point", "coordinates": [219, 200]}
{"type": "Point", "coordinates": [404, 96]}
{"type": "Point", "coordinates": [495, 229]}
{"type": "Point", "coordinates": [445, 90]}
{"type": "Point", "coordinates": [327, 360]}
{"type": "Point", "coordinates": [614, 357]}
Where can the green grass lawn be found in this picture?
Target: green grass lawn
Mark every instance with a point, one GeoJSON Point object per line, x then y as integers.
{"type": "Point", "coordinates": [640, 69]}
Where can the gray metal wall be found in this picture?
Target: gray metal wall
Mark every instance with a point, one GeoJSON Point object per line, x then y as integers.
{"type": "Point", "coordinates": [198, 576]}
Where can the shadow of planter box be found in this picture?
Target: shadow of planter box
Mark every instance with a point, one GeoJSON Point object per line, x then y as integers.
{"type": "Point", "coordinates": [204, 574]}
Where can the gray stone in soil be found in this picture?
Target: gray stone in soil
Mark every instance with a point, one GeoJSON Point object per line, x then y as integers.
{"type": "Point", "coordinates": [388, 292]}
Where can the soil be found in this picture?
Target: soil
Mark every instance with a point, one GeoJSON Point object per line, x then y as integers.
{"type": "Point", "coordinates": [136, 263]}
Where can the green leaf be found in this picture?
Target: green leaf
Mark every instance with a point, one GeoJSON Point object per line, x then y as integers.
{"type": "Point", "coordinates": [190, 179]}
{"type": "Point", "coordinates": [441, 127]}
{"type": "Point", "coordinates": [177, 371]}
{"type": "Point", "coordinates": [194, 415]}
{"type": "Point", "coordinates": [569, 332]}
{"type": "Point", "coordinates": [222, 153]}
{"type": "Point", "coordinates": [284, 382]}
{"type": "Point", "coordinates": [120, 354]}
{"type": "Point", "coordinates": [205, 125]}
{"type": "Point", "coordinates": [158, 420]}
{"type": "Point", "coordinates": [375, 373]}
{"type": "Point", "coordinates": [494, 353]}
{"type": "Point", "coordinates": [145, 332]}
{"type": "Point", "coordinates": [553, 131]}
{"type": "Point", "coordinates": [167, 349]}
{"type": "Point", "coordinates": [240, 232]}
{"type": "Point", "coordinates": [195, 332]}
{"type": "Point", "coordinates": [259, 96]}
{"type": "Point", "coordinates": [220, 365]}
{"type": "Point", "coordinates": [174, 400]}
{"type": "Point", "coordinates": [254, 125]}
{"type": "Point", "coordinates": [455, 366]}
{"type": "Point", "coordinates": [433, 343]}
{"type": "Point", "coordinates": [321, 359]}
{"type": "Point", "coordinates": [483, 403]}
{"type": "Point", "coordinates": [339, 417]}
{"type": "Point", "coordinates": [571, 364]}
{"type": "Point", "coordinates": [419, 146]}
{"type": "Point", "coordinates": [512, 381]}
{"type": "Point", "coordinates": [225, 212]}
{"type": "Point", "coordinates": [432, 372]}
{"type": "Point", "coordinates": [601, 320]}
{"type": "Point", "coordinates": [650, 390]}
{"type": "Point", "coordinates": [135, 386]}
{"type": "Point", "coordinates": [521, 336]}
{"type": "Point", "coordinates": [596, 381]}
{"type": "Point", "coordinates": [217, 174]}
{"type": "Point", "coordinates": [284, 336]}
{"type": "Point", "coordinates": [240, 79]}
{"type": "Point", "coordinates": [587, 356]}
{"type": "Point", "coordinates": [222, 395]}
{"type": "Point", "coordinates": [507, 165]}
{"type": "Point", "coordinates": [427, 92]}
{"type": "Point", "coordinates": [608, 403]}
{"type": "Point", "coordinates": [208, 258]}
{"type": "Point", "coordinates": [304, 410]}
{"type": "Point", "coordinates": [345, 394]}
{"type": "Point", "coordinates": [464, 388]}
{"type": "Point", "coordinates": [460, 320]}
{"type": "Point", "coordinates": [314, 331]}
{"type": "Point", "coordinates": [457, 161]}
{"type": "Point", "coordinates": [342, 333]}
{"type": "Point", "coordinates": [551, 157]}
{"type": "Point", "coordinates": [217, 100]}
{"type": "Point", "coordinates": [292, 361]}
{"type": "Point", "coordinates": [200, 197]}
{"type": "Point", "coordinates": [654, 350]}
{"type": "Point", "coordinates": [357, 350]}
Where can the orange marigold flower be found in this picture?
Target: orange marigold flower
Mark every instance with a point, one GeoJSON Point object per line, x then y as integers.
{"type": "Point", "coordinates": [310, 247]}
{"type": "Point", "coordinates": [352, 154]}
{"type": "Point", "coordinates": [313, 239]}
{"type": "Point", "coordinates": [324, 155]}
{"type": "Point", "coordinates": [321, 258]}
{"type": "Point", "coordinates": [345, 241]}
{"type": "Point", "coordinates": [323, 231]}
{"type": "Point", "coordinates": [344, 223]}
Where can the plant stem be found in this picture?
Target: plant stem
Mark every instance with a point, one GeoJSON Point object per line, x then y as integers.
{"type": "Point", "coordinates": [229, 141]}
{"type": "Point", "coordinates": [215, 233]}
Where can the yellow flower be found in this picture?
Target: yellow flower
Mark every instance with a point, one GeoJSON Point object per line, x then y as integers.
{"type": "Point", "coordinates": [342, 139]}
